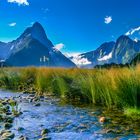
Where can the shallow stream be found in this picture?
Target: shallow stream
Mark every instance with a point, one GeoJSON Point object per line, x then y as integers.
{"type": "Point", "coordinates": [65, 122]}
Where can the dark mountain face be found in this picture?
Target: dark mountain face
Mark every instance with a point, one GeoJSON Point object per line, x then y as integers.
{"type": "Point", "coordinates": [121, 52]}
{"type": "Point", "coordinates": [28, 54]}
{"type": "Point", "coordinates": [125, 50]}
{"type": "Point", "coordinates": [37, 32]}
{"type": "Point", "coordinates": [4, 50]}
{"type": "Point", "coordinates": [33, 48]}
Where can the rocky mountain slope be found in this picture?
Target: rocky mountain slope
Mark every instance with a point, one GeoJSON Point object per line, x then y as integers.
{"type": "Point", "coordinates": [120, 52]}
{"type": "Point", "coordinates": [33, 48]}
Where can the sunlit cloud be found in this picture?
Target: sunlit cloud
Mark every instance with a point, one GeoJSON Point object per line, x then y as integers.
{"type": "Point", "coordinates": [12, 24]}
{"type": "Point", "coordinates": [19, 2]}
{"type": "Point", "coordinates": [59, 46]}
{"type": "Point", "coordinates": [108, 19]}
{"type": "Point", "coordinates": [78, 59]}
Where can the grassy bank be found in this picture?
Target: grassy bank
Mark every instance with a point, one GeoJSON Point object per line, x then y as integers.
{"type": "Point", "coordinates": [115, 87]}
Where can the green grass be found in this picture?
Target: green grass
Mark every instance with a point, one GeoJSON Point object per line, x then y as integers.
{"type": "Point", "coordinates": [115, 87]}
{"type": "Point", "coordinates": [133, 113]}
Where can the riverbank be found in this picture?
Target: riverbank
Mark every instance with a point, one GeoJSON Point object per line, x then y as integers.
{"type": "Point", "coordinates": [111, 88]}
{"type": "Point", "coordinates": [8, 111]}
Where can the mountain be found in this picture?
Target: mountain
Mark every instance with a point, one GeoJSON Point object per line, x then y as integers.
{"type": "Point", "coordinates": [4, 50]}
{"type": "Point", "coordinates": [33, 48]}
{"type": "Point", "coordinates": [123, 51]}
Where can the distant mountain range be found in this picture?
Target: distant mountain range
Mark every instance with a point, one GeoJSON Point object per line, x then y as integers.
{"type": "Point", "coordinates": [33, 48]}
{"type": "Point", "coordinates": [123, 51]}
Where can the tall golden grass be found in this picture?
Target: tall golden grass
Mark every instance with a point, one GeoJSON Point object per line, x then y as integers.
{"type": "Point", "coordinates": [114, 87]}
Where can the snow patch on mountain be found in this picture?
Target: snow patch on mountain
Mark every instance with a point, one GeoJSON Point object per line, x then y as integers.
{"type": "Point", "coordinates": [106, 57]}
{"type": "Point", "coordinates": [12, 47]}
{"type": "Point", "coordinates": [136, 40]}
{"type": "Point", "coordinates": [2, 61]}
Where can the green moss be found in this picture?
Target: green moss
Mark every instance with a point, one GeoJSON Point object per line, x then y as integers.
{"type": "Point", "coordinates": [133, 113]}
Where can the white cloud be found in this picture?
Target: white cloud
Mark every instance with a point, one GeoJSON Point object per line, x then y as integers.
{"type": "Point", "coordinates": [59, 46]}
{"type": "Point", "coordinates": [132, 31]}
{"type": "Point", "coordinates": [12, 24]}
{"type": "Point", "coordinates": [78, 59]}
{"type": "Point", "coordinates": [108, 19]}
{"type": "Point", "coordinates": [106, 57]}
{"type": "Point", "coordinates": [19, 2]}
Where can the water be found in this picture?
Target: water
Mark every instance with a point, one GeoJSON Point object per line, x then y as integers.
{"type": "Point", "coordinates": [64, 122]}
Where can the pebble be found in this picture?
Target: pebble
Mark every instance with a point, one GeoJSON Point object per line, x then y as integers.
{"type": "Point", "coordinates": [102, 120]}
{"type": "Point", "coordinates": [7, 135]}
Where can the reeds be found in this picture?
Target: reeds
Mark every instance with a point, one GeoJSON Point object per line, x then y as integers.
{"type": "Point", "coordinates": [115, 87]}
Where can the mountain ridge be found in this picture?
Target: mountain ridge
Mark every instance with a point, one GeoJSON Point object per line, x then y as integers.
{"type": "Point", "coordinates": [32, 46]}
{"type": "Point", "coordinates": [122, 51]}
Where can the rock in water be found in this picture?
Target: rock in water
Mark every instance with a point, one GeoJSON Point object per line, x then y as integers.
{"type": "Point", "coordinates": [7, 125]}
{"type": "Point", "coordinates": [102, 119]}
{"type": "Point", "coordinates": [7, 135]}
{"type": "Point", "coordinates": [45, 131]}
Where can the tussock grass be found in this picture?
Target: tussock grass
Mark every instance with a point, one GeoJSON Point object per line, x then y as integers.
{"type": "Point", "coordinates": [115, 87]}
{"type": "Point", "coordinates": [133, 113]}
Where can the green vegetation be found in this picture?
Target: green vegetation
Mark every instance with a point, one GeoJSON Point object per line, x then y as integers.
{"type": "Point", "coordinates": [133, 113]}
{"type": "Point", "coordinates": [114, 87]}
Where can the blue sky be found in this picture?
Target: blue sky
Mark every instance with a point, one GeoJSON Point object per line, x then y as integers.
{"type": "Point", "coordinates": [78, 25]}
